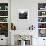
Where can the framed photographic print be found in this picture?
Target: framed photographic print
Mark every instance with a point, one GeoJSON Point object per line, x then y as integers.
{"type": "Point", "coordinates": [23, 13]}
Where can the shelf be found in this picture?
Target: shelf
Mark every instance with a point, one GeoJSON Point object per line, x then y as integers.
{"type": "Point", "coordinates": [3, 22]}
{"type": "Point", "coordinates": [3, 10]}
{"type": "Point", "coordinates": [41, 22]}
{"type": "Point", "coordinates": [41, 28]}
{"type": "Point", "coordinates": [42, 16]}
{"type": "Point", "coordinates": [42, 37]}
{"type": "Point", "coordinates": [41, 10]}
{"type": "Point", "coordinates": [3, 16]}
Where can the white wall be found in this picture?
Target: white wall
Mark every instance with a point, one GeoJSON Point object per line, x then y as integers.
{"type": "Point", "coordinates": [32, 5]}
{"type": "Point", "coordinates": [24, 4]}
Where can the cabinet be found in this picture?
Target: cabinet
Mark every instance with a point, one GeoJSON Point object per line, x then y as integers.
{"type": "Point", "coordinates": [42, 41]}
{"type": "Point", "coordinates": [4, 23]}
{"type": "Point", "coordinates": [4, 19]}
{"type": "Point", "coordinates": [42, 19]}
{"type": "Point", "coordinates": [3, 40]}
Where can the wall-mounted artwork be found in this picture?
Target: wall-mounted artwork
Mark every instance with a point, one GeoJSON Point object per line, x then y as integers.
{"type": "Point", "coordinates": [23, 13]}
